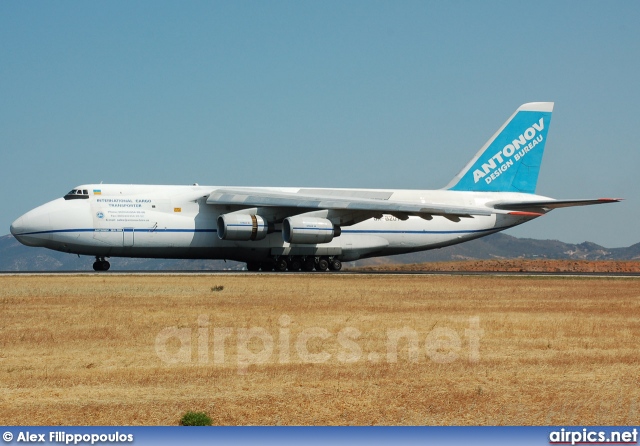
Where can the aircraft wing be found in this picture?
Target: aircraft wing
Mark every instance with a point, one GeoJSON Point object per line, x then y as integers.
{"type": "Point", "coordinates": [303, 202]}
{"type": "Point", "coordinates": [547, 205]}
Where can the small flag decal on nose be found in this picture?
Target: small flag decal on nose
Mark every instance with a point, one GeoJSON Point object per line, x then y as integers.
{"type": "Point", "coordinates": [97, 192]}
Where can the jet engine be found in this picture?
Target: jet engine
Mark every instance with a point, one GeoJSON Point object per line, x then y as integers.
{"type": "Point", "coordinates": [242, 227]}
{"type": "Point", "coordinates": [308, 230]}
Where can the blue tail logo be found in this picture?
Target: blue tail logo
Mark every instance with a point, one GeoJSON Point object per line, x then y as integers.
{"type": "Point", "coordinates": [510, 161]}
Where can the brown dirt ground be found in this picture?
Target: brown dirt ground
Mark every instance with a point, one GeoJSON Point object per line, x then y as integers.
{"type": "Point", "coordinates": [516, 265]}
{"type": "Point", "coordinates": [85, 350]}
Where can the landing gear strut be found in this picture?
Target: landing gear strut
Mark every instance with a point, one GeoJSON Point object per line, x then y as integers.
{"type": "Point", "coordinates": [101, 264]}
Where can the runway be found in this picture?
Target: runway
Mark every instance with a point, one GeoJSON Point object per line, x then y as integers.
{"type": "Point", "coordinates": [326, 274]}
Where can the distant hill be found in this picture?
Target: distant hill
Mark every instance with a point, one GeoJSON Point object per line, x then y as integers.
{"type": "Point", "coordinates": [502, 246]}
{"type": "Point", "coordinates": [17, 257]}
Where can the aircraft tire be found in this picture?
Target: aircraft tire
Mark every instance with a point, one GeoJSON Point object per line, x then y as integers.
{"type": "Point", "coordinates": [295, 264]}
{"type": "Point", "coordinates": [101, 265]}
{"type": "Point", "coordinates": [253, 266]}
{"type": "Point", "coordinates": [308, 264]}
{"type": "Point", "coordinates": [335, 265]}
{"type": "Point", "coordinates": [281, 265]}
{"type": "Point", "coordinates": [323, 264]}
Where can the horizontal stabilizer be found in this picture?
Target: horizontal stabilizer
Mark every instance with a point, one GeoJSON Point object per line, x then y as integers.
{"type": "Point", "coordinates": [547, 205]}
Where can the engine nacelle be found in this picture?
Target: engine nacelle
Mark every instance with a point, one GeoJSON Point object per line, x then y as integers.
{"type": "Point", "coordinates": [308, 230]}
{"type": "Point", "coordinates": [242, 227]}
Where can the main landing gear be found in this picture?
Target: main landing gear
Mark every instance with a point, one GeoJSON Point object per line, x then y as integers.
{"type": "Point", "coordinates": [101, 264]}
{"type": "Point", "coordinates": [297, 263]}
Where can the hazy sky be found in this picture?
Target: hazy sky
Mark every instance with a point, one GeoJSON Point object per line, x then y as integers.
{"type": "Point", "coordinates": [324, 94]}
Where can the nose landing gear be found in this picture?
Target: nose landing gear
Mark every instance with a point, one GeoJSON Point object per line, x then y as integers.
{"type": "Point", "coordinates": [101, 264]}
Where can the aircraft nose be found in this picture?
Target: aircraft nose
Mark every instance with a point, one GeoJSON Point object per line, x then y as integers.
{"type": "Point", "coordinates": [29, 229]}
{"type": "Point", "coordinates": [17, 227]}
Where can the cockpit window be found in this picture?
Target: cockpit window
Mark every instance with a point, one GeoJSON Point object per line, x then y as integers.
{"type": "Point", "coordinates": [75, 194]}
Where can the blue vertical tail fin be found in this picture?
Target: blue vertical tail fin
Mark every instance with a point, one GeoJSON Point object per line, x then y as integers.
{"type": "Point", "coordinates": [510, 160]}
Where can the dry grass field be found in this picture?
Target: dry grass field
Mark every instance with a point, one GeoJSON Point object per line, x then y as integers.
{"type": "Point", "coordinates": [319, 349]}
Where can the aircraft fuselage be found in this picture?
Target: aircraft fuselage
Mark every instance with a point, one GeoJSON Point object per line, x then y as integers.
{"type": "Point", "coordinates": [176, 222]}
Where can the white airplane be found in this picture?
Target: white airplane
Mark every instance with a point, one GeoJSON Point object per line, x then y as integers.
{"type": "Point", "coordinates": [302, 228]}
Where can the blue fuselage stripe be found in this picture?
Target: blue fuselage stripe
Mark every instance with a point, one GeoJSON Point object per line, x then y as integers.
{"type": "Point", "coordinates": [344, 231]}
{"type": "Point", "coordinates": [57, 231]}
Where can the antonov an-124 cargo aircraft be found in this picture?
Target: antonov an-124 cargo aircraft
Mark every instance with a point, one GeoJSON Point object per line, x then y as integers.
{"type": "Point", "coordinates": [277, 228]}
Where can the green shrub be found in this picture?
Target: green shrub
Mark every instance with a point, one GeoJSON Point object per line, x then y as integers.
{"type": "Point", "coordinates": [195, 419]}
